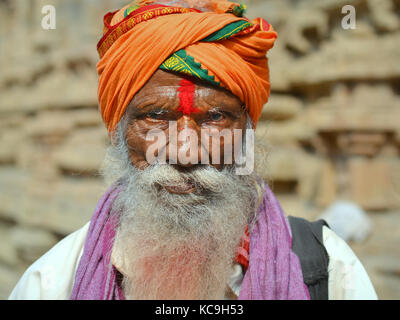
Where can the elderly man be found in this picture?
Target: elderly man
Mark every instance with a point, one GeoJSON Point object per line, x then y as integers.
{"type": "Point", "coordinates": [176, 227]}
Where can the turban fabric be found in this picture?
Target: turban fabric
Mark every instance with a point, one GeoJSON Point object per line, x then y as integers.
{"type": "Point", "coordinates": [218, 46]}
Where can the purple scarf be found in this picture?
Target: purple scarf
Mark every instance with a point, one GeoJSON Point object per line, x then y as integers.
{"type": "Point", "coordinates": [274, 271]}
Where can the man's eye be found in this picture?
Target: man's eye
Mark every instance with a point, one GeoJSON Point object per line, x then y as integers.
{"type": "Point", "coordinates": [155, 115]}
{"type": "Point", "coordinates": [216, 116]}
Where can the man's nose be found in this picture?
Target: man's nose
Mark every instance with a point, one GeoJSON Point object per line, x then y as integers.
{"type": "Point", "coordinates": [187, 142]}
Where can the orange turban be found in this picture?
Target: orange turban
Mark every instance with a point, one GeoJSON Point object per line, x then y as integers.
{"type": "Point", "coordinates": [228, 50]}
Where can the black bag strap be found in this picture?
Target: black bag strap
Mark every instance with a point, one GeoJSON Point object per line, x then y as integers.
{"type": "Point", "coordinates": [308, 245]}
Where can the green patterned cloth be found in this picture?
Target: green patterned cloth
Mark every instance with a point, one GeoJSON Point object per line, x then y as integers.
{"type": "Point", "coordinates": [181, 62]}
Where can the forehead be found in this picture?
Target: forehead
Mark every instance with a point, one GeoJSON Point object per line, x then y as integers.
{"type": "Point", "coordinates": [165, 84]}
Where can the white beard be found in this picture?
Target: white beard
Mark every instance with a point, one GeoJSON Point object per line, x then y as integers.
{"type": "Point", "coordinates": [179, 246]}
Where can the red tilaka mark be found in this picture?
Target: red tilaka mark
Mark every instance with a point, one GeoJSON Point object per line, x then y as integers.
{"type": "Point", "coordinates": [186, 96]}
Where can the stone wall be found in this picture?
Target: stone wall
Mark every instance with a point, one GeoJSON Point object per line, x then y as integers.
{"type": "Point", "coordinates": [331, 128]}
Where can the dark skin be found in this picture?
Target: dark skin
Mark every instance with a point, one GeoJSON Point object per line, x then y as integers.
{"type": "Point", "coordinates": [157, 103]}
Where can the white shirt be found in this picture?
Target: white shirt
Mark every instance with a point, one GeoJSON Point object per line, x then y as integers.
{"type": "Point", "coordinates": [52, 276]}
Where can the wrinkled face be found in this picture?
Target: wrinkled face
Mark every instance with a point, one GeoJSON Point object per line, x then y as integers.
{"type": "Point", "coordinates": [181, 224]}
{"type": "Point", "coordinates": [192, 105]}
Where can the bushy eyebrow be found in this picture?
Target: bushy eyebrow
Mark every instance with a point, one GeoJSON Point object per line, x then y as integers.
{"type": "Point", "coordinates": [225, 107]}
{"type": "Point", "coordinates": [138, 112]}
